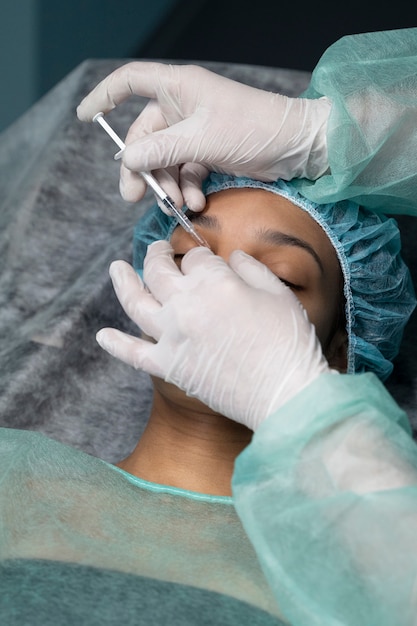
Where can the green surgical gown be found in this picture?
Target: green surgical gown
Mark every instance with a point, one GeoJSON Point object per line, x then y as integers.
{"type": "Point", "coordinates": [327, 492]}
{"type": "Point", "coordinates": [371, 80]}
{"type": "Point", "coordinates": [83, 542]}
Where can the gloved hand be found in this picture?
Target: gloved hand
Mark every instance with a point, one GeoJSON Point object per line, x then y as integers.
{"type": "Point", "coordinates": [202, 121]}
{"type": "Point", "coordinates": [233, 336]}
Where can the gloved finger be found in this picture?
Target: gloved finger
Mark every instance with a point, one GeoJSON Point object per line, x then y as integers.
{"type": "Point", "coordinates": [259, 276]}
{"type": "Point", "coordinates": [137, 302]}
{"type": "Point", "coordinates": [256, 274]}
{"type": "Point", "coordinates": [200, 260]}
{"type": "Point", "coordinates": [150, 120]}
{"type": "Point", "coordinates": [160, 272]}
{"type": "Point", "coordinates": [191, 181]}
{"type": "Point", "coordinates": [133, 187]}
{"type": "Point", "coordinates": [168, 179]}
{"type": "Point", "coordinates": [175, 145]}
{"type": "Point", "coordinates": [131, 184]}
{"type": "Point", "coordinates": [139, 78]}
{"type": "Point", "coordinates": [131, 350]}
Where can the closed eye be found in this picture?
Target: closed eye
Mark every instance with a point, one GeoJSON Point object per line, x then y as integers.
{"type": "Point", "coordinates": [290, 285]}
{"type": "Point", "coordinates": [178, 258]}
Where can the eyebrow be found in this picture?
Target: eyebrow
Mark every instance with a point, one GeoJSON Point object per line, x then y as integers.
{"type": "Point", "coordinates": [278, 238]}
{"type": "Point", "coordinates": [207, 221]}
{"type": "Point", "coordinates": [274, 237]}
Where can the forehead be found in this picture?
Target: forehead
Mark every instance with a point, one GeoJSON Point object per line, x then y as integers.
{"type": "Point", "coordinates": [253, 209]}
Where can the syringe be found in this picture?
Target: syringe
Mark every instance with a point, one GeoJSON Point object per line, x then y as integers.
{"type": "Point", "coordinates": [180, 216]}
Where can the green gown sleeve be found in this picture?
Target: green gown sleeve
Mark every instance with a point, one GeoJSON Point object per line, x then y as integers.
{"type": "Point", "coordinates": [371, 79]}
{"type": "Point", "coordinates": [327, 493]}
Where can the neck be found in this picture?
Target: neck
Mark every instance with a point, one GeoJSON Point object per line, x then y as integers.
{"type": "Point", "coordinates": [187, 446]}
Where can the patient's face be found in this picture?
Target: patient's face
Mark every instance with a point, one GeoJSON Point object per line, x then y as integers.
{"type": "Point", "coordinates": [290, 243]}
{"type": "Point", "coordinates": [285, 239]}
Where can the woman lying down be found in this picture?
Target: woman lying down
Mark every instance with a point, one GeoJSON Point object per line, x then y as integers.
{"type": "Point", "coordinates": [160, 537]}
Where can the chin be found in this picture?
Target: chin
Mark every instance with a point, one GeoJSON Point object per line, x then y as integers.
{"type": "Point", "coordinates": [175, 395]}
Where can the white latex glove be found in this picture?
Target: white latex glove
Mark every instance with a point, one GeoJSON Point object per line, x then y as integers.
{"type": "Point", "coordinates": [233, 336]}
{"type": "Point", "coordinates": [202, 121]}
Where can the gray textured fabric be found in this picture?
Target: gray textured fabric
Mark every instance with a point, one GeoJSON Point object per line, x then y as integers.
{"type": "Point", "coordinates": [62, 221]}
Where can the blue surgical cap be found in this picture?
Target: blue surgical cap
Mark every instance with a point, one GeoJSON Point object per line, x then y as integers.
{"type": "Point", "coordinates": [378, 289]}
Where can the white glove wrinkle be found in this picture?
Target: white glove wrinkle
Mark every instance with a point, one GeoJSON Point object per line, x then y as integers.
{"type": "Point", "coordinates": [201, 117]}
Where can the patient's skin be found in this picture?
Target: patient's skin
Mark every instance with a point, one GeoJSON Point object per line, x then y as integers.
{"type": "Point", "coordinates": [185, 444]}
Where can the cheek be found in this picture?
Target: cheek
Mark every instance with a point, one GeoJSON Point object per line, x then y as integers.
{"type": "Point", "coordinates": [322, 314]}
{"type": "Point", "coordinates": [181, 241]}
{"type": "Point", "coordinates": [176, 396]}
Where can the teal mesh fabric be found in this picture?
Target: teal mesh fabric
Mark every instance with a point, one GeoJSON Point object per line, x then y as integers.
{"type": "Point", "coordinates": [377, 284]}
{"type": "Point", "coordinates": [371, 80]}
{"type": "Point", "coordinates": [327, 492]}
{"type": "Point", "coordinates": [83, 542]}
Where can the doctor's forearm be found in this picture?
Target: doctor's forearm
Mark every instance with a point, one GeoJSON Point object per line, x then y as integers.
{"type": "Point", "coordinates": [327, 492]}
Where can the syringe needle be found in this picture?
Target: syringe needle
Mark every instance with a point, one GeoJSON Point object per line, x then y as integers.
{"type": "Point", "coordinates": [180, 216]}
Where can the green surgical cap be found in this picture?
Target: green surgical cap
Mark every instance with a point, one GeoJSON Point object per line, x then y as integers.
{"type": "Point", "coordinates": [378, 288]}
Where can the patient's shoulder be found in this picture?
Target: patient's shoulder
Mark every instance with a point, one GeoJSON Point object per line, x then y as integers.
{"type": "Point", "coordinates": [34, 454]}
{"type": "Point", "coordinates": [28, 444]}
